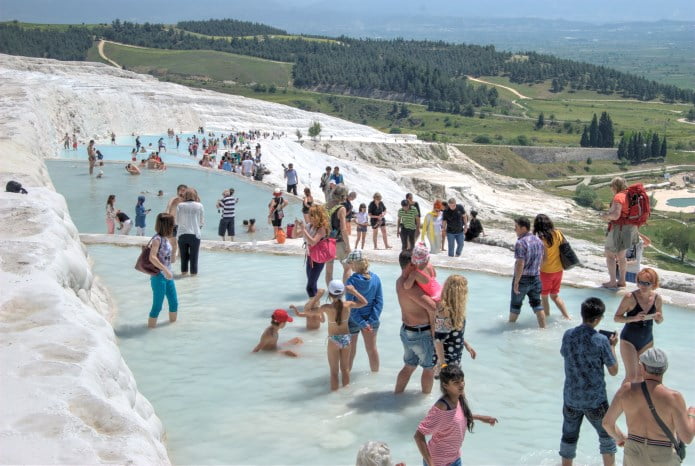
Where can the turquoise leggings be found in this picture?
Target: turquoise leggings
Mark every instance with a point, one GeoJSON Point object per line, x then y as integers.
{"type": "Point", "coordinates": [162, 287]}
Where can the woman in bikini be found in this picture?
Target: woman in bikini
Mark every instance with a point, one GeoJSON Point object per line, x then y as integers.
{"type": "Point", "coordinates": [638, 311]}
{"type": "Point", "coordinates": [338, 315]}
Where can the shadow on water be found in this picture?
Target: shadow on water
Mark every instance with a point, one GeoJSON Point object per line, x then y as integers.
{"type": "Point", "coordinates": [384, 401]}
{"type": "Point", "coordinates": [132, 330]}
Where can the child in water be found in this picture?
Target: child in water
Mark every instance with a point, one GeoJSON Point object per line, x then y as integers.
{"type": "Point", "coordinates": [338, 313]}
{"type": "Point", "coordinates": [313, 318]}
{"type": "Point", "coordinates": [250, 225]}
{"type": "Point", "coordinates": [421, 272]}
{"type": "Point", "coordinates": [450, 322]}
{"type": "Point", "coordinates": [269, 338]}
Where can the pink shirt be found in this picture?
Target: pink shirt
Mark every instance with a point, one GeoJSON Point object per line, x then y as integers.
{"type": "Point", "coordinates": [448, 429]}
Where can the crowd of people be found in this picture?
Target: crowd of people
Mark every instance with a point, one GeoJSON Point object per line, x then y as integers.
{"type": "Point", "coordinates": [434, 315]}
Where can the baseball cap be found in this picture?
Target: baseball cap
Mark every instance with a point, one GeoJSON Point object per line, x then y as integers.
{"type": "Point", "coordinates": [421, 254]}
{"type": "Point", "coordinates": [336, 287]}
{"type": "Point", "coordinates": [354, 256]}
{"type": "Point", "coordinates": [281, 315]}
{"type": "Point", "coordinates": [15, 187]}
{"type": "Point", "coordinates": [655, 358]}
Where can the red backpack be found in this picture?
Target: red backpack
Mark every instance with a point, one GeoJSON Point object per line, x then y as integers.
{"type": "Point", "coordinates": [638, 207]}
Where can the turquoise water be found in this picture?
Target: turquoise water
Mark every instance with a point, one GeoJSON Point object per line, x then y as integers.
{"type": "Point", "coordinates": [86, 196]}
{"type": "Point", "coordinates": [221, 404]}
{"type": "Point", "coordinates": [681, 202]}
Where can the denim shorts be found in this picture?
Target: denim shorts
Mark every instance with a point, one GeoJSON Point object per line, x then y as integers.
{"type": "Point", "coordinates": [355, 328]}
{"type": "Point", "coordinates": [418, 348]}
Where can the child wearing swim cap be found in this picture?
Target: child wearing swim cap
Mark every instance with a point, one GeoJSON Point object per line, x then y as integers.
{"type": "Point", "coordinates": [421, 272]}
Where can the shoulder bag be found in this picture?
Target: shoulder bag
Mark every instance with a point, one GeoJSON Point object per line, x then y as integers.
{"type": "Point", "coordinates": [143, 264]}
{"type": "Point", "coordinates": [323, 251]}
{"type": "Point", "coordinates": [567, 256]}
{"type": "Point", "coordinates": [678, 445]}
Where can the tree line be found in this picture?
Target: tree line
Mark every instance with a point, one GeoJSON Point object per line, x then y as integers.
{"type": "Point", "coordinates": [599, 133]}
{"type": "Point", "coordinates": [638, 147]}
{"type": "Point", "coordinates": [228, 27]}
{"type": "Point", "coordinates": [71, 44]}
{"type": "Point", "coordinates": [429, 72]}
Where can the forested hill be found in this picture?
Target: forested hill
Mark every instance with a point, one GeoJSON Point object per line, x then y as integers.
{"type": "Point", "coordinates": [228, 27]}
{"type": "Point", "coordinates": [425, 71]}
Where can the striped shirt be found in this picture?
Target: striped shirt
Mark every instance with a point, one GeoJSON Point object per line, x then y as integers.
{"type": "Point", "coordinates": [448, 429]}
{"type": "Point", "coordinates": [228, 206]}
{"type": "Point", "coordinates": [407, 218]}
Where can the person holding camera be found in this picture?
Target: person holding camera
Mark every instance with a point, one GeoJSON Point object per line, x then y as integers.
{"type": "Point", "coordinates": [292, 178]}
{"type": "Point", "coordinates": [586, 351]}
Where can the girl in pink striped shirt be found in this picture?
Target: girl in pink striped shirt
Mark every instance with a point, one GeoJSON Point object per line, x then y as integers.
{"type": "Point", "coordinates": [447, 422]}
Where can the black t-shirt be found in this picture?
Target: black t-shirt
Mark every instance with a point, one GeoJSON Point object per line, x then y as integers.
{"type": "Point", "coordinates": [454, 219]}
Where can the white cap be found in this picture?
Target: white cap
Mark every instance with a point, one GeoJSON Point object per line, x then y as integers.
{"type": "Point", "coordinates": [336, 287]}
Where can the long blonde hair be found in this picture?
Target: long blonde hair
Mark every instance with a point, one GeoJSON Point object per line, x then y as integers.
{"type": "Point", "coordinates": [455, 298]}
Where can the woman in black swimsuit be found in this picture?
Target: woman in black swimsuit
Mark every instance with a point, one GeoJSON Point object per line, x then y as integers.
{"type": "Point", "coordinates": [377, 211]}
{"type": "Point", "coordinates": [638, 311]}
{"type": "Point", "coordinates": [307, 202]}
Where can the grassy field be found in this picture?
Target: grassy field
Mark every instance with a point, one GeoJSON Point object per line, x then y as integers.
{"type": "Point", "coordinates": [219, 66]}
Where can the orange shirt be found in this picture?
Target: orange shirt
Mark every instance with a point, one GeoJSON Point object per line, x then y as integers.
{"type": "Point", "coordinates": [552, 263]}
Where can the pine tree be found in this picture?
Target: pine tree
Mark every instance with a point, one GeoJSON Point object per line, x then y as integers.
{"type": "Point", "coordinates": [622, 149]}
{"type": "Point", "coordinates": [584, 142]}
{"type": "Point", "coordinates": [605, 131]}
{"type": "Point", "coordinates": [664, 149]}
{"type": "Point", "coordinates": [593, 132]}
{"type": "Point", "coordinates": [541, 121]}
{"type": "Point", "coordinates": [655, 146]}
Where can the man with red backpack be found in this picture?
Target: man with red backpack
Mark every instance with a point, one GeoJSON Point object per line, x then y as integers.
{"type": "Point", "coordinates": [629, 210]}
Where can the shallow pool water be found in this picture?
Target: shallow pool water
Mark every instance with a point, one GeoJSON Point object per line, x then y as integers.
{"type": "Point", "coordinates": [681, 201]}
{"type": "Point", "coordinates": [221, 404]}
{"type": "Point", "coordinates": [86, 196]}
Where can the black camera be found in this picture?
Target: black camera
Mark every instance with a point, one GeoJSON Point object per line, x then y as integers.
{"type": "Point", "coordinates": [607, 333]}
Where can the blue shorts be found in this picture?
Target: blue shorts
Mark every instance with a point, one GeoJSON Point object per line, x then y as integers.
{"type": "Point", "coordinates": [355, 328]}
{"type": "Point", "coordinates": [418, 347]}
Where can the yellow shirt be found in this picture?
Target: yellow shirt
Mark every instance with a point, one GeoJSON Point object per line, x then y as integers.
{"type": "Point", "coordinates": [552, 263]}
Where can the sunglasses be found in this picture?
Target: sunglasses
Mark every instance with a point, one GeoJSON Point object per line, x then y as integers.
{"type": "Point", "coordinates": [643, 283]}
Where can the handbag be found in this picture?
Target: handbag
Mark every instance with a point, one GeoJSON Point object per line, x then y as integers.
{"type": "Point", "coordinates": [323, 251]}
{"type": "Point", "coordinates": [679, 445]}
{"type": "Point", "coordinates": [143, 264]}
{"type": "Point", "coordinates": [567, 256]}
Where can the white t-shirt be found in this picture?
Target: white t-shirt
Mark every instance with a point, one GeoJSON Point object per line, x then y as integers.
{"type": "Point", "coordinates": [247, 166]}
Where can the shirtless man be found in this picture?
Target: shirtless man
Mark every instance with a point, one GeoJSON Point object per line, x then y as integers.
{"type": "Point", "coordinates": [269, 338]}
{"type": "Point", "coordinates": [91, 156]}
{"type": "Point", "coordinates": [646, 443]}
{"type": "Point", "coordinates": [171, 210]}
{"type": "Point", "coordinates": [417, 331]}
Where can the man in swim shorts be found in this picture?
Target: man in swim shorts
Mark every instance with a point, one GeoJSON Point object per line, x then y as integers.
{"type": "Point", "coordinates": [417, 331]}
{"type": "Point", "coordinates": [646, 442]}
{"type": "Point", "coordinates": [585, 352]}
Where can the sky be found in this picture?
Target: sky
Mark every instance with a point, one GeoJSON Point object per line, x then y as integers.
{"type": "Point", "coordinates": [291, 14]}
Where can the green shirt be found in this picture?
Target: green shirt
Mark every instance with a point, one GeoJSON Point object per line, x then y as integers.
{"type": "Point", "coordinates": [407, 218]}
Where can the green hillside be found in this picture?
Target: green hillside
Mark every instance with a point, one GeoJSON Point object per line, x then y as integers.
{"type": "Point", "coordinates": [207, 64]}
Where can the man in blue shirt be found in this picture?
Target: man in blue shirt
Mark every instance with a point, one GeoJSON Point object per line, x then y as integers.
{"type": "Point", "coordinates": [337, 176]}
{"type": "Point", "coordinates": [528, 252]}
{"type": "Point", "coordinates": [586, 351]}
{"type": "Point", "coordinates": [292, 178]}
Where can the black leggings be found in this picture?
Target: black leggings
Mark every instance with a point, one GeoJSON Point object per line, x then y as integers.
{"type": "Point", "coordinates": [313, 272]}
{"type": "Point", "coordinates": [189, 246]}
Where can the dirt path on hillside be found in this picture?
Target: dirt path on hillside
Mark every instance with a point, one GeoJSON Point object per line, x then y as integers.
{"type": "Point", "coordinates": [510, 89]}
{"type": "Point", "coordinates": [100, 47]}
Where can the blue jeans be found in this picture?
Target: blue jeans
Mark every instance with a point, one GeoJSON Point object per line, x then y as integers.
{"type": "Point", "coordinates": [572, 422]}
{"type": "Point", "coordinates": [313, 272]}
{"type": "Point", "coordinates": [162, 287]}
{"type": "Point", "coordinates": [450, 238]}
{"type": "Point", "coordinates": [528, 285]}
{"type": "Point", "coordinates": [418, 348]}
